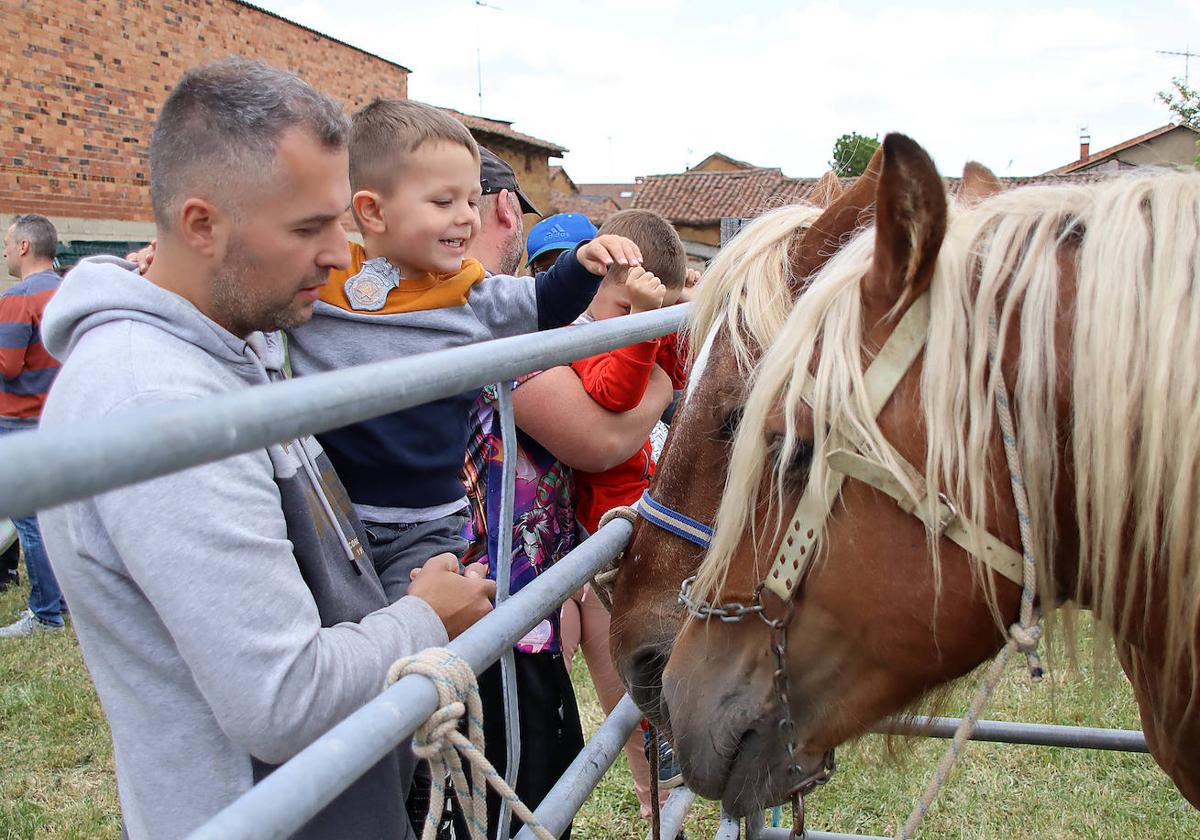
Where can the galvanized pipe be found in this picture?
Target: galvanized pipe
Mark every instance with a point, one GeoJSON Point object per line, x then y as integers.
{"type": "Point", "coordinates": [1031, 734]}
{"type": "Point", "coordinates": [290, 796]}
{"type": "Point", "coordinates": [674, 812]}
{"type": "Point", "coordinates": [83, 459]}
{"type": "Point", "coordinates": [563, 801]}
{"type": "Point", "coordinates": [508, 664]}
{"type": "Point", "coordinates": [786, 833]}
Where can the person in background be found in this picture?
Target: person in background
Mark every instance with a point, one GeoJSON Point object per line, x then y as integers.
{"type": "Point", "coordinates": [26, 373]}
{"type": "Point", "coordinates": [553, 235]}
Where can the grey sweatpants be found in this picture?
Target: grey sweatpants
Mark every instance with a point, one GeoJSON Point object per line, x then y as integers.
{"type": "Point", "coordinates": [398, 548]}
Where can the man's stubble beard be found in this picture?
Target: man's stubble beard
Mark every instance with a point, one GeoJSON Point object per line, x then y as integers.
{"type": "Point", "coordinates": [242, 309]}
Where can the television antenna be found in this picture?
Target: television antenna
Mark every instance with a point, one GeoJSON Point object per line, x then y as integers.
{"type": "Point", "coordinates": [480, 4]}
{"type": "Point", "coordinates": [1187, 55]}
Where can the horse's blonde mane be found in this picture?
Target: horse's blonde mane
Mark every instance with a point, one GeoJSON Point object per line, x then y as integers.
{"type": "Point", "coordinates": [1134, 429]}
{"type": "Point", "coordinates": [748, 287]}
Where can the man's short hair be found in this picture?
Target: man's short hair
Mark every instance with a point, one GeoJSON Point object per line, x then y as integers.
{"type": "Point", "coordinates": [385, 131]}
{"type": "Point", "coordinates": [220, 127]}
{"type": "Point", "coordinates": [39, 232]}
{"type": "Point", "coordinates": [661, 247]}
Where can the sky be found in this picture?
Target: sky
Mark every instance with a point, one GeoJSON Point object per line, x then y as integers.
{"type": "Point", "coordinates": [641, 87]}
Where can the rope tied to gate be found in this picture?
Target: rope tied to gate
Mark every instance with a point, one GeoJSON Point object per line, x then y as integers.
{"type": "Point", "coordinates": [440, 741]}
{"type": "Point", "coordinates": [605, 579]}
{"type": "Point", "coordinates": [1023, 635]}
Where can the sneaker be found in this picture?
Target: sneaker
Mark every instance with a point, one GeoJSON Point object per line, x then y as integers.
{"type": "Point", "coordinates": [669, 775]}
{"type": "Point", "coordinates": [27, 625]}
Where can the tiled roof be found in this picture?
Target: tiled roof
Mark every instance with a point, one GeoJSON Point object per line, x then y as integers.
{"type": "Point", "coordinates": [701, 198]}
{"type": "Point", "coordinates": [1097, 157]}
{"type": "Point", "coordinates": [612, 191]}
{"type": "Point", "coordinates": [704, 197]}
{"type": "Point", "coordinates": [596, 208]}
{"type": "Point", "coordinates": [503, 128]}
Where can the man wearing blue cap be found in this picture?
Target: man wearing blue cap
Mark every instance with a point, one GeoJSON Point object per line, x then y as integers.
{"type": "Point", "coordinates": [555, 234]}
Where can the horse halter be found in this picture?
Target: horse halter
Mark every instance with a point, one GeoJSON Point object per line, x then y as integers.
{"type": "Point", "coordinates": [940, 516]}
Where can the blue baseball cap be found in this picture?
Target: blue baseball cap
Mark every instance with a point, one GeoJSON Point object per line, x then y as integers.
{"type": "Point", "coordinates": [558, 233]}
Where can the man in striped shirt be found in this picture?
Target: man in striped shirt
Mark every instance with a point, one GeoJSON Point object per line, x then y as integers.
{"type": "Point", "coordinates": [26, 371]}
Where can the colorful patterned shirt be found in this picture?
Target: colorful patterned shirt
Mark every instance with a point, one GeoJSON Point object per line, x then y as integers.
{"type": "Point", "coordinates": [543, 514]}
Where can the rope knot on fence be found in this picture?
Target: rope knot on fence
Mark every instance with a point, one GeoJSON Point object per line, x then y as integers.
{"type": "Point", "coordinates": [441, 741]}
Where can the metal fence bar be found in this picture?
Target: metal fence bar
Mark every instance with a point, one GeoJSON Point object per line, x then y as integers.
{"type": "Point", "coordinates": [810, 834]}
{"type": "Point", "coordinates": [81, 460]}
{"type": "Point", "coordinates": [508, 664]}
{"type": "Point", "coordinates": [1031, 734]}
{"type": "Point", "coordinates": [291, 795]}
{"type": "Point", "coordinates": [563, 801]}
{"type": "Point", "coordinates": [674, 812]}
{"type": "Point", "coordinates": [729, 828]}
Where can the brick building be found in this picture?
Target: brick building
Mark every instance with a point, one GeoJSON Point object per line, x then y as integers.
{"type": "Point", "coordinates": [81, 83]}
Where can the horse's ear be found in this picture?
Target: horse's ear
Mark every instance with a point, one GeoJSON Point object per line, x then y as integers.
{"type": "Point", "coordinates": [978, 183]}
{"type": "Point", "coordinates": [910, 223]}
{"type": "Point", "coordinates": [853, 209]}
{"type": "Point", "coordinates": [826, 191]}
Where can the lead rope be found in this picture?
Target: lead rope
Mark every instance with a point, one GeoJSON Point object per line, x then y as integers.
{"type": "Point", "coordinates": [439, 741]}
{"type": "Point", "coordinates": [1022, 636]}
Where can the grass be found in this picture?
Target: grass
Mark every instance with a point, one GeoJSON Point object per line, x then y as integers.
{"type": "Point", "coordinates": [57, 779]}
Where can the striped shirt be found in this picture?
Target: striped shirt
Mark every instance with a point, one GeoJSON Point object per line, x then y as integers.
{"type": "Point", "coordinates": [26, 369]}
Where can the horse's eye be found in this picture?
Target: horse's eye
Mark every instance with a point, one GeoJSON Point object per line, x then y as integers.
{"type": "Point", "coordinates": [729, 425]}
{"type": "Point", "coordinates": [800, 462]}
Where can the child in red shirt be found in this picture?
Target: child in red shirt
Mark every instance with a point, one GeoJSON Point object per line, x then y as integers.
{"type": "Point", "coordinates": [618, 379]}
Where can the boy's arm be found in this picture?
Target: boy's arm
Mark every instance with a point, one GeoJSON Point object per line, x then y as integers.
{"type": "Point", "coordinates": [564, 290]}
{"type": "Point", "coordinates": [555, 410]}
{"type": "Point", "coordinates": [618, 379]}
{"type": "Point", "coordinates": [672, 350]}
{"type": "Point", "coordinates": [16, 329]}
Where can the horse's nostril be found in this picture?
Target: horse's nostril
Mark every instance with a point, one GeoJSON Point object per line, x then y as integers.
{"type": "Point", "coordinates": [645, 678]}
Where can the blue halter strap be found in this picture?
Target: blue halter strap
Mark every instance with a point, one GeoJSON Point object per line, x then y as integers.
{"type": "Point", "coordinates": [676, 523]}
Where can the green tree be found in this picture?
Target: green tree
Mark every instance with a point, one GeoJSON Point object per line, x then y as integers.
{"type": "Point", "coordinates": [1183, 102]}
{"type": "Point", "coordinates": [852, 152]}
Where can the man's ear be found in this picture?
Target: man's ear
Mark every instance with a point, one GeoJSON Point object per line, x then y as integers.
{"type": "Point", "coordinates": [504, 209]}
{"type": "Point", "coordinates": [200, 223]}
{"type": "Point", "coordinates": [368, 210]}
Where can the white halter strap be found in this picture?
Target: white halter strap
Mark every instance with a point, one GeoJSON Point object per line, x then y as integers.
{"type": "Point", "coordinates": [940, 515]}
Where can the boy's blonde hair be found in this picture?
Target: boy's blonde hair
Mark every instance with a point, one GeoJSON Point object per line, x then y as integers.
{"type": "Point", "coordinates": [384, 131]}
{"type": "Point", "coordinates": [662, 249]}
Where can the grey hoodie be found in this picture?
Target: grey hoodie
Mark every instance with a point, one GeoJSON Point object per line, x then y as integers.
{"type": "Point", "coordinates": [228, 613]}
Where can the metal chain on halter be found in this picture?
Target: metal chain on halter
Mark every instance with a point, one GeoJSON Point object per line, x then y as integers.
{"type": "Point", "coordinates": [787, 727]}
{"type": "Point", "coordinates": [704, 610]}
{"type": "Point", "coordinates": [1024, 635]}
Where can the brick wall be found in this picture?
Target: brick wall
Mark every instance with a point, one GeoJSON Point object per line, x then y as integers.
{"type": "Point", "coordinates": [81, 83]}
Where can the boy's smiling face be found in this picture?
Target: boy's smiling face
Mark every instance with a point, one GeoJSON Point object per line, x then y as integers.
{"type": "Point", "coordinates": [433, 210]}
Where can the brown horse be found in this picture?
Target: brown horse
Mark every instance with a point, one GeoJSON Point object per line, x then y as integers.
{"type": "Point", "coordinates": [890, 581]}
{"type": "Point", "coordinates": [744, 299]}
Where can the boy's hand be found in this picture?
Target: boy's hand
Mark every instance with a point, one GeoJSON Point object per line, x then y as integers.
{"type": "Point", "coordinates": [144, 257]}
{"type": "Point", "coordinates": [688, 292]}
{"type": "Point", "coordinates": [646, 292]}
{"type": "Point", "coordinates": [605, 251]}
{"type": "Point", "coordinates": [459, 600]}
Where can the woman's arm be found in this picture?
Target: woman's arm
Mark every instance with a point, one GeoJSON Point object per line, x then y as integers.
{"type": "Point", "coordinates": [553, 409]}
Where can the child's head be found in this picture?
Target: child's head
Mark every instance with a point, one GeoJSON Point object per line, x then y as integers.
{"type": "Point", "coordinates": [414, 171]}
{"type": "Point", "coordinates": [662, 256]}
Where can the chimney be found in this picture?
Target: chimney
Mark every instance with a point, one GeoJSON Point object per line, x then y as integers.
{"type": "Point", "coordinates": [1085, 142]}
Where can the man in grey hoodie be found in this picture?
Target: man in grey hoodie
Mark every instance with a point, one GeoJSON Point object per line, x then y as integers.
{"type": "Point", "coordinates": [228, 613]}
